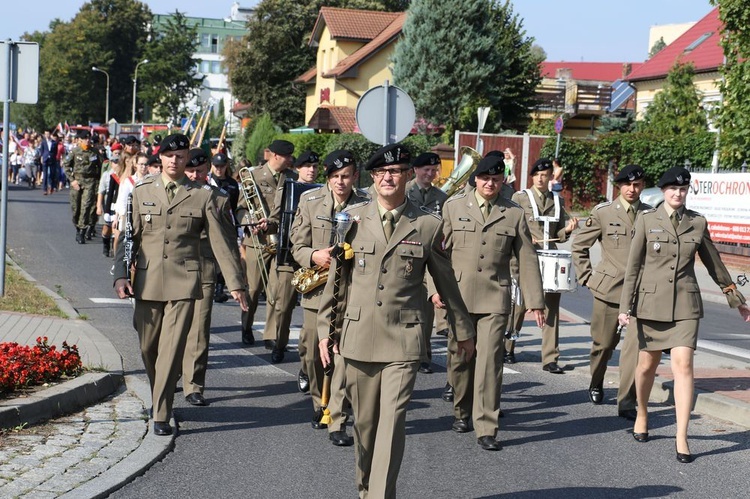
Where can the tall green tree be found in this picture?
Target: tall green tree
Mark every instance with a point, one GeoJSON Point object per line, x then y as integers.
{"type": "Point", "coordinates": [734, 113]}
{"type": "Point", "coordinates": [459, 55]}
{"type": "Point", "coordinates": [171, 76]}
{"type": "Point", "coordinates": [657, 47]}
{"type": "Point", "coordinates": [677, 108]}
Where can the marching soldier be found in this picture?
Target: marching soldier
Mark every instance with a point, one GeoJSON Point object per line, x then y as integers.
{"type": "Point", "coordinates": [421, 192]}
{"type": "Point", "coordinates": [83, 166]}
{"type": "Point", "coordinates": [311, 247]}
{"type": "Point", "coordinates": [611, 224]}
{"type": "Point", "coordinates": [195, 360]}
{"type": "Point", "coordinates": [220, 177]}
{"type": "Point", "coordinates": [539, 200]}
{"type": "Point", "coordinates": [482, 230]}
{"type": "Point", "coordinates": [169, 214]}
{"type": "Point", "coordinates": [267, 180]}
{"type": "Point", "coordinates": [383, 303]}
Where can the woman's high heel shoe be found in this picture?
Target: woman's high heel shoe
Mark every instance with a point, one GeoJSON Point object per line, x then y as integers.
{"type": "Point", "coordinates": [640, 437]}
{"type": "Point", "coordinates": [683, 458]}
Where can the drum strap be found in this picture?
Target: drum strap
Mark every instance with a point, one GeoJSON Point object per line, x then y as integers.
{"type": "Point", "coordinates": [535, 208]}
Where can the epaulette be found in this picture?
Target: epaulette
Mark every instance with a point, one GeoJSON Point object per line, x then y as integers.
{"type": "Point", "coordinates": [358, 205]}
{"type": "Point", "coordinates": [512, 203]}
{"type": "Point", "coordinates": [602, 205]}
{"type": "Point", "coordinates": [362, 192]}
{"type": "Point", "coordinates": [207, 187]}
{"type": "Point", "coordinates": [693, 213]}
{"type": "Point", "coordinates": [315, 193]}
{"type": "Point", "coordinates": [650, 210]}
{"type": "Point", "coordinates": [145, 180]}
{"type": "Point", "coordinates": [460, 195]}
{"type": "Point", "coordinates": [430, 212]}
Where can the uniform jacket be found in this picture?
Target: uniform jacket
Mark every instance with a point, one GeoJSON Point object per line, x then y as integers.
{"type": "Point", "coordinates": [556, 229]}
{"type": "Point", "coordinates": [80, 164]}
{"type": "Point", "coordinates": [267, 189]}
{"type": "Point", "coordinates": [167, 241]}
{"type": "Point", "coordinates": [481, 251]}
{"type": "Point", "coordinates": [310, 233]}
{"type": "Point", "coordinates": [208, 260]}
{"type": "Point", "coordinates": [609, 224]}
{"type": "Point", "coordinates": [660, 275]}
{"type": "Point", "coordinates": [433, 199]}
{"type": "Point", "coordinates": [384, 301]}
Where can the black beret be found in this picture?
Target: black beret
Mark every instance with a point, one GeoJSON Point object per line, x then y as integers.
{"type": "Point", "coordinates": [282, 147]}
{"type": "Point", "coordinates": [306, 157]}
{"type": "Point", "coordinates": [130, 140]}
{"type": "Point", "coordinates": [490, 165]}
{"type": "Point", "coordinates": [540, 165]}
{"type": "Point", "coordinates": [499, 154]}
{"type": "Point", "coordinates": [157, 139]}
{"type": "Point", "coordinates": [174, 142]}
{"type": "Point", "coordinates": [677, 175]}
{"type": "Point", "coordinates": [630, 173]}
{"type": "Point", "coordinates": [219, 159]}
{"type": "Point", "coordinates": [153, 160]}
{"type": "Point", "coordinates": [426, 159]}
{"type": "Point", "coordinates": [196, 157]}
{"type": "Point", "coordinates": [83, 134]}
{"type": "Point", "coordinates": [392, 154]}
{"type": "Point", "coordinates": [337, 160]}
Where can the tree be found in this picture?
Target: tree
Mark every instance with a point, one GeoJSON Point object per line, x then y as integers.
{"type": "Point", "coordinates": [677, 108]}
{"type": "Point", "coordinates": [171, 76]}
{"type": "Point", "coordinates": [733, 116]}
{"type": "Point", "coordinates": [466, 53]}
{"type": "Point", "coordinates": [657, 47]}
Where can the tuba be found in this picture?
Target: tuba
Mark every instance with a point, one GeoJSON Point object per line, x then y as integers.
{"type": "Point", "coordinates": [462, 171]}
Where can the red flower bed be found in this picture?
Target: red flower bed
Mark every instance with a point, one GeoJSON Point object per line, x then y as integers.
{"type": "Point", "coordinates": [23, 366]}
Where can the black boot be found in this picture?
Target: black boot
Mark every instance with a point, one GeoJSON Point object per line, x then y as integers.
{"type": "Point", "coordinates": [81, 236]}
{"type": "Point", "coordinates": [90, 232]}
{"type": "Point", "coordinates": [106, 242]}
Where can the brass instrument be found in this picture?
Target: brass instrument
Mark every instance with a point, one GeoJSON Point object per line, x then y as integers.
{"type": "Point", "coordinates": [306, 279]}
{"type": "Point", "coordinates": [462, 171]}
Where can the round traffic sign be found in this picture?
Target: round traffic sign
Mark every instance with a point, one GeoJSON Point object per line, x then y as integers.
{"type": "Point", "coordinates": [559, 124]}
{"type": "Point", "coordinates": [385, 117]}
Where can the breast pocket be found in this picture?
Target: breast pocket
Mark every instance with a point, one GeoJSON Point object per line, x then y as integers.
{"type": "Point", "coordinates": [503, 238]}
{"type": "Point", "coordinates": [657, 244]}
{"type": "Point", "coordinates": [150, 218]}
{"type": "Point", "coordinates": [410, 260]}
{"type": "Point", "coordinates": [463, 234]}
{"type": "Point", "coordinates": [616, 236]}
{"type": "Point", "coordinates": [689, 244]}
{"type": "Point", "coordinates": [190, 219]}
{"type": "Point", "coordinates": [364, 257]}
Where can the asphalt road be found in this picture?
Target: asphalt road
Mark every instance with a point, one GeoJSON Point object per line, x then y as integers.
{"type": "Point", "coordinates": [255, 439]}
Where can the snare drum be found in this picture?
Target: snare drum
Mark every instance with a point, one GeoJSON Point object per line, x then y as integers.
{"type": "Point", "coordinates": [558, 274]}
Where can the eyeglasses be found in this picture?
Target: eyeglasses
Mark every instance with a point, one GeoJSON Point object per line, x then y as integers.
{"type": "Point", "coordinates": [395, 172]}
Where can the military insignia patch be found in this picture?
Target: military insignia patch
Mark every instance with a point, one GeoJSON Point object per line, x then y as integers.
{"type": "Point", "coordinates": [589, 222]}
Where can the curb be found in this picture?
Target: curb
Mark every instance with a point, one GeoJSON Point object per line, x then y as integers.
{"type": "Point", "coordinates": [61, 302]}
{"type": "Point", "coordinates": [151, 450]}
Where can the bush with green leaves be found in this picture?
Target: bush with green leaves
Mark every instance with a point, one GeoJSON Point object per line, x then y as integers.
{"type": "Point", "coordinates": [263, 133]}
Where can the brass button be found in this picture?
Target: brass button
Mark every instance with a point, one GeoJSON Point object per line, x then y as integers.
{"type": "Point", "coordinates": [381, 287]}
{"type": "Point", "coordinates": [379, 303]}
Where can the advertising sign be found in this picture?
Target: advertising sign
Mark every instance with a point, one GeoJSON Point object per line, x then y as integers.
{"type": "Point", "coordinates": [723, 199]}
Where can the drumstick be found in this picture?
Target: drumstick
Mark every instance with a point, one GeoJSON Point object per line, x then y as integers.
{"type": "Point", "coordinates": [544, 240]}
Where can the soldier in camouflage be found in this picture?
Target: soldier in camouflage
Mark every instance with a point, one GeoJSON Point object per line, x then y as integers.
{"type": "Point", "coordinates": [83, 166]}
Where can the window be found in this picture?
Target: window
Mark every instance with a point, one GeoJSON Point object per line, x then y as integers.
{"type": "Point", "coordinates": [214, 44]}
{"type": "Point", "coordinates": [701, 39]}
{"type": "Point", "coordinates": [205, 67]}
{"type": "Point", "coordinates": [215, 67]}
{"type": "Point", "coordinates": [204, 39]}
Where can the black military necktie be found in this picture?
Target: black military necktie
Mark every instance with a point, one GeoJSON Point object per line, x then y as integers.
{"type": "Point", "coordinates": [389, 225]}
{"type": "Point", "coordinates": [171, 188]}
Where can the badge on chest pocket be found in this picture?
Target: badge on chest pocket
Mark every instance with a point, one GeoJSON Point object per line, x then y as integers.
{"type": "Point", "coordinates": [409, 257]}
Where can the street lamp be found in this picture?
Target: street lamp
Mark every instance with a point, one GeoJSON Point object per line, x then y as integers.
{"type": "Point", "coordinates": [106, 109]}
{"type": "Point", "coordinates": [135, 86]}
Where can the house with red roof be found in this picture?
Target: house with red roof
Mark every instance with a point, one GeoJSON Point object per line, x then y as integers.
{"type": "Point", "coordinates": [354, 48]}
{"type": "Point", "coordinates": [699, 45]}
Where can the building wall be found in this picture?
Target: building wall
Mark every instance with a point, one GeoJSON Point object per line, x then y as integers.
{"type": "Point", "coordinates": [707, 85]}
{"type": "Point", "coordinates": [670, 33]}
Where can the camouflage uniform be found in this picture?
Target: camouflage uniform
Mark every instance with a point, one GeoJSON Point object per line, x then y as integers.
{"type": "Point", "coordinates": [83, 166]}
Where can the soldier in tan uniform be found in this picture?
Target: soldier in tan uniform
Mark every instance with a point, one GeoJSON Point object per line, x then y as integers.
{"type": "Point", "coordinates": [383, 304]}
{"type": "Point", "coordinates": [421, 192]}
{"type": "Point", "coordinates": [195, 360]}
{"type": "Point", "coordinates": [482, 231]}
{"type": "Point", "coordinates": [267, 179]}
{"type": "Point", "coordinates": [169, 215]}
{"type": "Point", "coordinates": [544, 202]}
{"type": "Point", "coordinates": [661, 290]}
{"type": "Point", "coordinates": [311, 239]}
{"type": "Point", "coordinates": [611, 224]}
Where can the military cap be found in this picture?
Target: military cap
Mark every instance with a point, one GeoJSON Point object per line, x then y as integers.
{"type": "Point", "coordinates": [131, 140]}
{"type": "Point", "coordinates": [196, 157]}
{"type": "Point", "coordinates": [157, 139]}
{"type": "Point", "coordinates": [630, 173]}
{"type": "Point", "coordinates": [392, 154]}
{"type": "Point", "coordinates": [489, 165]}
{"type": "Point", "coordinates": [219, 159]}
{"type": "Point", "coordinates": [116, 147]}
{"type": "Point", "coordinates": [281, 147]}
{"type": "Point", "coordinates": [499, 154]}
{"type": "Point", "coordinates": [153, 160]}
{"type": "Point", "coordinates": [540, 165]}
{"type": "Point", "coordinates": [338, 159]}
{"type": "Point", "coordinates": [677, 175]}
{"type": "Point", "coordinates": [174, 142]}
{"type": "Point", "coordinates": [426, 159]}
{"type": "Point", "coordinates": [83, 134]}
{"type": "Point", "coordinates": [306, 157]}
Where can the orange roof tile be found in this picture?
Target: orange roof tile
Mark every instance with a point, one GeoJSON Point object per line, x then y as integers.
{"type": "Point", "coordinates": [308, 76]}
{"type": "Point", "coordinates": [595, 71]}
{"type": "Point", "coordinates": [339, 118]}
{"type": "Point", "coordinates": [351, 24]}
{"type": "Point", "coordinates": [390, 33]}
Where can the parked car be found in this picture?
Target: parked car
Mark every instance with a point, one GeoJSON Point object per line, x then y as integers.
{"type": "Point", "coordinates": [652, 196]}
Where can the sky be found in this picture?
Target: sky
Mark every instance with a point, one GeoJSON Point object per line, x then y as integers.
{"type": "Point", "coordinates": [568, 30]}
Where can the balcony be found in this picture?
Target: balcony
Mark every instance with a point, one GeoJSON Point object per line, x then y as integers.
{"type": "Point", "coordinates": [573, 99]}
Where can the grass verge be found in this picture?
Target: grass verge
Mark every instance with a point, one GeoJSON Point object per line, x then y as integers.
{"type": "Point", "coordinates": [23, 296]}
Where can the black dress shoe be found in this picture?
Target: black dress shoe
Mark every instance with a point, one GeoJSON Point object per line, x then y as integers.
{"type": "Point", "coordinates": [640, 437]}
{"type": "Point", "coordinates": [442, 332]}
{"type": "Point", "coordinates": [510, 358]}
{"type": "Point", "coordinates": [448, 393]}
{"type": "Point", "coordinates": [196, 399]}
{"type": "Point", "coordinates": [488, 443]}
{"type": "Point", "coordinates": [683, 458]}
{"type": "Point", "coordinates": [315, 422]}
{"type": "Point", "coordinates": [303, 382]}
{"type": "Point", "coordinates": [424, 368]}
{"type": "Point", "coordinates": [248, 338]}
{"type": "Point", "coordinates": [340, 438]}
{"type": "Point", "coordinates": [162, 429]}
{"type": "Point", "coordinates": [461, 425]}
{"type": "Point", "coordinates": [277, 355]}
{"type": "Point", "coordinates": [269, 344]}
{"type": "Point", "coordinates": [596, 395]}
{"type": "Point", "coordinates": [553, 368]}
{"type": "Point", "coordinates": [629, 414]}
